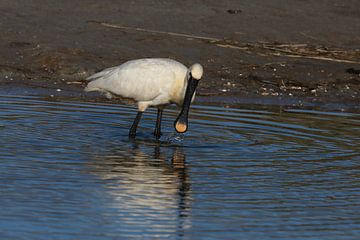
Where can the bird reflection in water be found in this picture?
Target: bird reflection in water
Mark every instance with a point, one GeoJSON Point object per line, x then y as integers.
{"type": "Point", "coordinates": [148, 191]}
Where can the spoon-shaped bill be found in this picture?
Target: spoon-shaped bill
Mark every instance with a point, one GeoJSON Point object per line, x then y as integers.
{"type": "Point", "coordinates": [181, 123]}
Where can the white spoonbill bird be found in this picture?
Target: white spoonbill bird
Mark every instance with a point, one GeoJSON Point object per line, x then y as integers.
{"type": "Point", "coordinates": [155, 82]}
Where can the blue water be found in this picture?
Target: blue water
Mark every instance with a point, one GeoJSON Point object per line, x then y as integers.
{"type": "Point", "coordinates": [69, 171]}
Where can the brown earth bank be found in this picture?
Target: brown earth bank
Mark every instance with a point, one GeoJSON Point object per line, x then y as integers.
{"type": "Point", "coordinates": [303, 52]}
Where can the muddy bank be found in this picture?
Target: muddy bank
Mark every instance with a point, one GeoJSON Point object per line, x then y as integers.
{"type": "Point", "coordinates": [279, 53]}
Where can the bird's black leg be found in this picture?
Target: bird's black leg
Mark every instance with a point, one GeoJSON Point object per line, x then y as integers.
{"type": "Point", "coordinates": [133, 128]}
{"type": "Point", "coordinates": [157, 132]}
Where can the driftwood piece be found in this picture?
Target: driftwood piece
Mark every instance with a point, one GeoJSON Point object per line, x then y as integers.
{"type": "Point", "coordinates": [297, 50]}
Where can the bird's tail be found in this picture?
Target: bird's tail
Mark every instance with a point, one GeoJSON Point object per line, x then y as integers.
{"type": "Point", "coordinates": [97, 80]}
{"type": "Point", "coordinates": [100, 74]}
{"type": "Point", "coordinates": [91, 87]}
{"type": "Point", "coordinates": [93, 84]}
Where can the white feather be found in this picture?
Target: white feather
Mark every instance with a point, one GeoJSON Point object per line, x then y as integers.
{"type": "Point", "coordinates": [150, 82]}
{"type": "Point", "coordinates": [196, 71]}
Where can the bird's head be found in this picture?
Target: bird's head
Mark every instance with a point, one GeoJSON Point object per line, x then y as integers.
{"type": "Point", "coordinates": [196, 71]}
{"type": "Point", "coordinates": [195, 74]}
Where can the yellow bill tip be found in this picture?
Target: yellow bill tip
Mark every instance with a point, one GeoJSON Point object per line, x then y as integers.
{"type": "Point", "coordinates": [180, 127]}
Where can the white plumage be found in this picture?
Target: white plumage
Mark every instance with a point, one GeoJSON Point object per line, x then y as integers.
{"type": "Point", "coordinates": [150, 82]}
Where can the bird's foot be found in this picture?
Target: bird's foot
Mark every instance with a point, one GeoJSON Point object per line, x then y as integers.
{"type": "Point", "coordinates": [132, 134]}
{"type": "Point", "coordinates": [157, 135]}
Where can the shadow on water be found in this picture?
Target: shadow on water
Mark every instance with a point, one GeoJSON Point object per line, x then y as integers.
{"type": "Point", "coordinates": [68, 170]}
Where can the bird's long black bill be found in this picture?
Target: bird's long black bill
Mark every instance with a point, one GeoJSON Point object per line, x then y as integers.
{"type": "Point", "coordinates": [181, 123]}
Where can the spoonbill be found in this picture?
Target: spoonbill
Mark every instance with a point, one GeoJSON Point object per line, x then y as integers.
{"type": "Point", "coordinates": [151, 82]}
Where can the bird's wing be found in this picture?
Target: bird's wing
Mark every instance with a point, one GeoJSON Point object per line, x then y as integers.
{"type": "Point", "coordinates": [141, 80]}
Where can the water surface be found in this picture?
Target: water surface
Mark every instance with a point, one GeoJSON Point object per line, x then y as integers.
{"type": "Point", "coordinates": [69, 171]}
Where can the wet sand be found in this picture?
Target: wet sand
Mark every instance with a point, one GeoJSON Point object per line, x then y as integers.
{"type": "Point", "coordinates": [303, 53]}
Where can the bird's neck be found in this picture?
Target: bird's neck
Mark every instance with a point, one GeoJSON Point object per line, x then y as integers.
{"type": "Point", "coordinates": [178, 92]}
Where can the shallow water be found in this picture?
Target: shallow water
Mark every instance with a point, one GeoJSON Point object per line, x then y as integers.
{"type": "Point", "coordinates": [69, 171]}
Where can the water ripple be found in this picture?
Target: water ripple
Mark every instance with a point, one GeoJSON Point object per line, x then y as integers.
{"type": "Point", "coordinates": [68, 171]}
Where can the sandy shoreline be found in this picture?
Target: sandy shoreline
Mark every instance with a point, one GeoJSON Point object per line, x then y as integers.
{"type": "Point", "coordinates": [267, 53]}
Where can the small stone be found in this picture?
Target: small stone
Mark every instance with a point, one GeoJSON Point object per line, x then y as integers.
{"type": "Point", "coordinates": [234, 11]}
